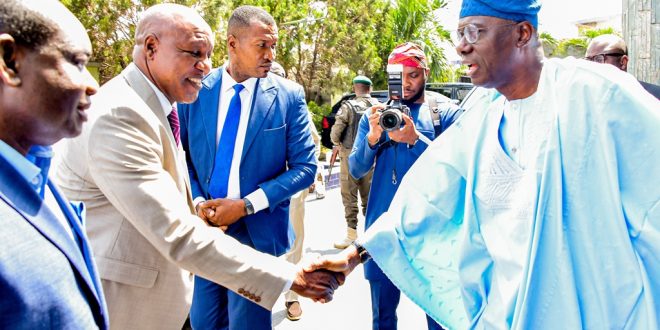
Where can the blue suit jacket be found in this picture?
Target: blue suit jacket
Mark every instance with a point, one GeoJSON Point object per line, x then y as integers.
{"type": "Point", "coordinates": [278, 153]}
{"type": "Point", "coordinates": [47, 280]}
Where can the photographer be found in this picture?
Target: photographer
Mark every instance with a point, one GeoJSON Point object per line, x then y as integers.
{"type": "Point", "coordinates": [393, 152]}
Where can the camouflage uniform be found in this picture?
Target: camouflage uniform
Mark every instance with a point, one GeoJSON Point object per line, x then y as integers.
{"type": "Point", "coordinates": [349, 185]}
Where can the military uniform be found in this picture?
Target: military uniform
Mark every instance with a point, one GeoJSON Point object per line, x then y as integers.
{"type": "Point", "coordinates": [341, 136]}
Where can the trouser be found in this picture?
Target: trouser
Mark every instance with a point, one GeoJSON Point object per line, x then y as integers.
{"type": "Point", "coordinates": [385, 299]}
{"type": "Point", "coordinates": [350, 187]}
{"type": "Point", "coordinates": [296, 217]}
{"type": "Point", "coordinates": [216, 307]}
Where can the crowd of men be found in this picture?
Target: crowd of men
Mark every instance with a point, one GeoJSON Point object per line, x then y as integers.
{"type": "Point", "coordinates": [540, 206]}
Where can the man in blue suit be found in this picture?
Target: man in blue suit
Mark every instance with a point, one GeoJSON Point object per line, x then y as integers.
{"type": "Point", "coordinates": [47, 275]}
{"type": "Point", "coordinates": [249, 148]}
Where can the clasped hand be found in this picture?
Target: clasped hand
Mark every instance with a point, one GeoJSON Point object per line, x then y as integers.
{"type": "Point", "coordinates": [221, 212]}
{"type": "Point", "coordinates": [319, 278]}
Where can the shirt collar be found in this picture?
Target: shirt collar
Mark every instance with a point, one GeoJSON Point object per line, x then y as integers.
{"type": "Point", "coordinates": [27, 169]}
{"type": "Point", "coordinates": [228, 82]}
{"type": "Point", "coordinates": [164, 102]}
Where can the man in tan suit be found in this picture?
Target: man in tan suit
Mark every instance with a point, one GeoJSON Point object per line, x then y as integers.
{"type": "Point", "coordinates": [129, 169]}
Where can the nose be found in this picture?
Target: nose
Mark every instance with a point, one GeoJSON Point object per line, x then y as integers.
{"type": "Point", "coordinates": [204, 65]}
{"type": "Point", "coordinates": [92, 86]}
{"type": "Point", "coordinates": [463, 47]}
{"type": "Point", "coordinates": [270, 54]}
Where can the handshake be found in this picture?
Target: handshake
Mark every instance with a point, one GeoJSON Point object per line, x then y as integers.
{"type": "Point", "coordinates": [319, 278]}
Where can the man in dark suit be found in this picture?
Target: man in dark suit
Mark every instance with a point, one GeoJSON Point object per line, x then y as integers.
{"type": "Point", "coordinates": [249, 148]}
{"type": "Point", "coordinates": [611, 49]}
{"type": "Point", "coordinates": [47, 277]}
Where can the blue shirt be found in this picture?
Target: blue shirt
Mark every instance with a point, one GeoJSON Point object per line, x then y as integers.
{"type": "Point", "coordinates": [392, 161]}
{"type": "Point", "coordinates": [34, 168]}
{"type": "Point", "coordinates": [29, 171]}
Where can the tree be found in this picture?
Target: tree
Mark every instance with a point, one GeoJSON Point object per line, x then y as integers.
{"type": "Point", "coordinates": [111, 27]}
{"type": "Point", "coordinates": [415, 20]}
{"type": "Point", "coordinates": [575, 47]}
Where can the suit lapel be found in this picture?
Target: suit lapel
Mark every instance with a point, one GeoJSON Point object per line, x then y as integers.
{"type": "Point", "coordinates": [77, 225]}
{"type": "Point", "coordinates": [262, 102]}
{"type": "Point", "coordinates": [139, 84]}
{"type": "Point", "coordinates": [210, 95]}
{"type": "Point", "coordinates": [25, 201]}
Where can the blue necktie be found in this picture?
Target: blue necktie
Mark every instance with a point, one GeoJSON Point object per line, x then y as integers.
{"type": "Point", "coordinates": [225, 151]}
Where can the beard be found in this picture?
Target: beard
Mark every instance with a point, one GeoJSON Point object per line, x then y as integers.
{"type": "Point", "coordinates": [414, 98]}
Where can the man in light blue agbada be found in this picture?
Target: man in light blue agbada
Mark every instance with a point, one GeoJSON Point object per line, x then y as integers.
{"type": "Point", "coordinates": [539, 210]}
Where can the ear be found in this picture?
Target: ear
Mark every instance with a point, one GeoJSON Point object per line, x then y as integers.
{"type": "Point", "coordinates": [525, 33]}
{"type": "Point", "coordinates": [8, 61]}
{"type": "Point", "coordinates": [150, 45]}
{"type": "Point", "coordinates": [623, 63]}
{"type": "Point", "coordinates": [232, 42]}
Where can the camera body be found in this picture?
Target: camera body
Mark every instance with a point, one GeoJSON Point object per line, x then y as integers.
{"type": "Point", "coordinates": [391, 118]}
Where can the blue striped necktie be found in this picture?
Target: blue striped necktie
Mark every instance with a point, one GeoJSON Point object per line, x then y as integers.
{"type": "Point", "coordinates": [225, 151]}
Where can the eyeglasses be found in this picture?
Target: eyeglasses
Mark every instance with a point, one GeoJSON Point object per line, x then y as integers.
{"type": "Point", "coordinates": [600, 58]}
{"type": "Point", "coordinates": [471, 32]}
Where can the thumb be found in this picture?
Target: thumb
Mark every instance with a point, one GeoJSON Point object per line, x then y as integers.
{"type": "Point", "coordinates": [314, 265]}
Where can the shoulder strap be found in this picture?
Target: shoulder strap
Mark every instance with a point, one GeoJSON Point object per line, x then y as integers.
{"type": "Point", "coordinates": [434, 108]}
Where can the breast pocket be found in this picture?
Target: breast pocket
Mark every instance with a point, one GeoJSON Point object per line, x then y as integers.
{"type": "Point", "coordinates": [273, 146]}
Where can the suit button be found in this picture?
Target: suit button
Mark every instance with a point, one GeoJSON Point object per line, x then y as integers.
{"type": "Point", "coordinates": [241, 291]}
{"type": "Point", "coordinates": [258, 299]}
{"type": "Point", "coordinates": [208, 180]}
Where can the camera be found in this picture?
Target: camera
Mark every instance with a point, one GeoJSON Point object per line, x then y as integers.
{"type": "Point", "coordinates": [391, 118]}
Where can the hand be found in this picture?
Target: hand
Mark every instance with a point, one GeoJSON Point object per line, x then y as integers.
{"type": "Point", "coordinates": [375, 131]}
{"type": "Point", "coordinates": [343, 262]}
{"type": "Point", "coordinates": [318, 285]}
{"type": "Point", "coordinates": [311, 188]}
{"type": "Point", "coordinates": [407, 134]}
{"type": "Point", "coordinates": [221, 211]}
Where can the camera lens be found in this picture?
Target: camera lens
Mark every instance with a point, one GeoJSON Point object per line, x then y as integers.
{"type": "Point", "coordinates": [390, 120]}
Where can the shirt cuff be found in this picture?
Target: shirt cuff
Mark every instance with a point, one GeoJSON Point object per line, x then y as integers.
{"type": "Point", "coordinates": [258, 199]}
{"type": "Point", "coordinates": [424, 139]}
{"type": "Point", "coordinates": [197, 201]}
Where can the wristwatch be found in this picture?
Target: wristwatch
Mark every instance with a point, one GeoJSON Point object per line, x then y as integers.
{"type": "Point", "coordinates": [362, 252]}
{"type": "Point", "coordinates": [249, 209]}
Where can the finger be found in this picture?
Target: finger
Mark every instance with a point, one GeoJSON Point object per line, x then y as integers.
{"type": "Point", "coordinates": [314, 265]}
{"type": "Point", "coordinates": [340, 277]}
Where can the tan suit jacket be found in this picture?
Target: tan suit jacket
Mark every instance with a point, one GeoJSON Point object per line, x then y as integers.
{"type": "Point", "coordinates": [131, 175]}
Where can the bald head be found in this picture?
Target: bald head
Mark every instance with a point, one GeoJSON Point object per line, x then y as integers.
{"type": "Point", "coordinates": [165, 20]}
{"type": "Point", "coordinates": [610, 49]}
{"type": "Point", "coordinates": [173, 48]}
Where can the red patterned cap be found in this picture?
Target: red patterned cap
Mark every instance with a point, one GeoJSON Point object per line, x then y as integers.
{"type": "Point", "coordinates": [408, 54]}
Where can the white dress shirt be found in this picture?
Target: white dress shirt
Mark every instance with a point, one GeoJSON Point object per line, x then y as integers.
{"type": "Point", "coordinates": [258, 197]}
{"type": "Point", "coordinates": [164, 102]}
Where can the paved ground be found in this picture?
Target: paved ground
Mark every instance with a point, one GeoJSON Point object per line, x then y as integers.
{"type": "Point", "coordinates": [351, 307]}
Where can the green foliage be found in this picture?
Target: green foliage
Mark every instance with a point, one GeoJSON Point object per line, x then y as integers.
{"type": "Point", "coordinates": [321, 49]}
{"type": "Point", "coordinates": [575, 47]}
{"type": "Point", "coordinates": [318, 111]}
{"type": "Point", "coordinates": [415, 20]}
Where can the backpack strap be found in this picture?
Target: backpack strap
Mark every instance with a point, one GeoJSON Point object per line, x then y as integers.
{"type": "Point", "coordinates": [434, 109]}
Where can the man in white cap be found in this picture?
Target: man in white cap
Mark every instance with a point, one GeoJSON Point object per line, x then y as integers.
{"type": "Point", "coordinates": [539, 210]}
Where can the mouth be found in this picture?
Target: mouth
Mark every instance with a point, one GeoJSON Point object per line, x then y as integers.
{"type": "Point", "coordinates": [471, 68]}
{"type": "Point", "coordinates": [195, 81]}
{"type": "Point", "coordinates": [82, 110]}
